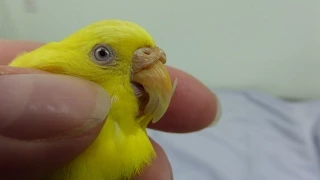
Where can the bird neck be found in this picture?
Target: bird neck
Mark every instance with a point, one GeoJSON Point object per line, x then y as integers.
{"type": "Point", "coordinates": [123, 111]}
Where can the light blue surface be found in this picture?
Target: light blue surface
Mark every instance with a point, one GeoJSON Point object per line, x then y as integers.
{"type": "Point", "coordinates": [259, 137]}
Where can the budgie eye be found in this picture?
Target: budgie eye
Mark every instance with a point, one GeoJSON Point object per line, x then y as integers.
{"type": "Point", "coordinates": [102, 54]}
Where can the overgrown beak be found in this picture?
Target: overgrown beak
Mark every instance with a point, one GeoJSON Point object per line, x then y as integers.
{"type": "Point", "coordinates": [148, 70]}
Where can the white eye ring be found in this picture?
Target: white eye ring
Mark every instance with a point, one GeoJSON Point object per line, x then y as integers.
{"type": "Point", "coordinates": [102, 54]}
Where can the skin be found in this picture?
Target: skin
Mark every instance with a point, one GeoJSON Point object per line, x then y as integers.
{"type": "Point", "coordinates": [22, 154]}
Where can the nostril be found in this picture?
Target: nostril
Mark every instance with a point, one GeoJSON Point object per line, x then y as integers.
{"type": "Point", "coordinates": [147, 52]}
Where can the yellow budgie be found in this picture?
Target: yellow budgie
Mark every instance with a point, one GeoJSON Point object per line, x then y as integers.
{"type": "Point", "coordinates": [123, 58]}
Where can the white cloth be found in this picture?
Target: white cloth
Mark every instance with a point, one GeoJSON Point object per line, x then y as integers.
{"type": "Point", "coordinates": [259, 137]}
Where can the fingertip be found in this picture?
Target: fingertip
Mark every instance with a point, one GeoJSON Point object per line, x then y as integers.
{"type": "Point", "coordinates": [217, 114]}
{"type": "Point", "coordinates": [54, 106]}
{"type": "Point", "coordinates": [61, 122]}
{"type": "Point", "coordinates": [9, 49]}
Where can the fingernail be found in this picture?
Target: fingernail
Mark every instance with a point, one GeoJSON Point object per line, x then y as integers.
{"type": "Point", "coordinates": [218, 114]}
{"type": "Point", "coordinates": [44, 106]}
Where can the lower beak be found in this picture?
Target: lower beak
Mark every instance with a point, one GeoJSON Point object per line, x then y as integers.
{"type": "Point", "coordinates": [149, 71]}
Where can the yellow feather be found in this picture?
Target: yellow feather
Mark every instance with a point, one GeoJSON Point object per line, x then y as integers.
{"type": "Point", "coordinates": [123, 148]}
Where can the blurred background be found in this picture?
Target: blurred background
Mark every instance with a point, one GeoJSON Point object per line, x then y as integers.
{"type": "Point", "coordinates": [269, 45]}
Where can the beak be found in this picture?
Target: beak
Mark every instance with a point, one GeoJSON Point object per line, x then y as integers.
{"type": "Point", "coordinates": [149, 71]}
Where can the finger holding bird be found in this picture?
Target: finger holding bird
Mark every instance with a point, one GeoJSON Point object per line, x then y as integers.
{"type": "Point", "coordinates": [123, 58]}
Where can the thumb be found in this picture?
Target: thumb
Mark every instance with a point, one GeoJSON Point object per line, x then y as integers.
{"type": "Point", "coordinates": [46, 121]}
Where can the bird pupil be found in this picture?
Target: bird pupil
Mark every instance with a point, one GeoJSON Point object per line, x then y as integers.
{"type": "Point", "coordinates": [102, 52]}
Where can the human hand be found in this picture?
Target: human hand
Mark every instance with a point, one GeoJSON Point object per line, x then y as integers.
{"type": "Point", "coordinates": [40, 117]}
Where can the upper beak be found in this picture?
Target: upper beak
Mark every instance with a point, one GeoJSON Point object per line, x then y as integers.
{"type": "Point", "coordinates": [149, 71]}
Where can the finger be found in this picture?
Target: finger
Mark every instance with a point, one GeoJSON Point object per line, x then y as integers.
{"type": "Point", "coordinates": [160, 168]}
{"type": "Point", "coordinates": [193, 106]}
{"type": "Point", "coordinates": [10, 49]}
{"type": "Point", "coordinates": [46, 121]}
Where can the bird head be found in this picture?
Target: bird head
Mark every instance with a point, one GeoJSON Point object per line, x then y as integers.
{"type": "Point", "coordinates": [112, 51]}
